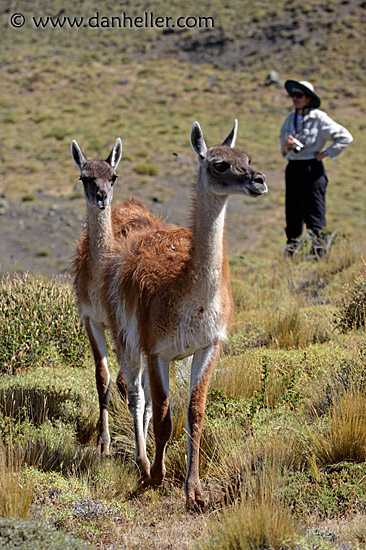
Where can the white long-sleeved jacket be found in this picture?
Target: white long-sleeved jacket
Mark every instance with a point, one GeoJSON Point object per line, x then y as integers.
{"type": "Point", "coordinates": [315, 130]}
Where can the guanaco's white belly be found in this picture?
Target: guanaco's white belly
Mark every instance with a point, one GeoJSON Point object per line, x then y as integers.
{"type": "Point", "coordinates": [196, 329]}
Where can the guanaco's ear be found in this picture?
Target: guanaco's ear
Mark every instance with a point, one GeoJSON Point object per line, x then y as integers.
{"type": "Point", "coordinates": [231, 138]}
{"type": "Point", "coordinates": [116, 154]}
{"type": "Point", "coordinates": [77, 155]}
{"type": "Point", "coordinates": [197, 141]}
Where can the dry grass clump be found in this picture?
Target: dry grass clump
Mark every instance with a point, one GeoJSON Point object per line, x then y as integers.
{"type": "Point", "coordinates": [16, 491]}
{"type": "Point", "coordinates": [249, 477]}
{"type": "Point", "coordinates": [352, 307]}
{"type": "Point", "coordinates": [343, 437]}
{"type": "Point", "coordinates": [282, 305]}
{"type": "Point", "coordinates": [256, 465]}
{"type": "Point", "coordinates": [238, 376]}
{"type": "Point", "coordinates": [263, 380]}
{"type": "Point", "coordinates": [343, 255]}
{"type": "Point", "coordinates": [110, 478]}
{"type": "Point", "coordinates": [294, 326]}
{"type": "Point", "coordinates": [259, 523]}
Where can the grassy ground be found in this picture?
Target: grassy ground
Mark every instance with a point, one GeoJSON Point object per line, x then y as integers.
{"type": "Point", "coordinates": [283, 451]}
{"type": "Point", "coordinates": [284, 433]}
{"type": "Point", "coordinates": [93, 85]}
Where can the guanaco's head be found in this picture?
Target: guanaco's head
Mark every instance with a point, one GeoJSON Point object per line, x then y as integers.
{"type": "Point", "coordinates": [224, 169]}
{"type": "Point", "coordinates": [98, 176]}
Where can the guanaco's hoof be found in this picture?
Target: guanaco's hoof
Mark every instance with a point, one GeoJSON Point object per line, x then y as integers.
{"type": "Point", "coordinates": [157, 476]}
{"type": "Point", "coordinates": [156, 481]}
{"type": "Point", "coordinates": [195, 505]}
{"type": "Point", "coordinates": [102, 448]}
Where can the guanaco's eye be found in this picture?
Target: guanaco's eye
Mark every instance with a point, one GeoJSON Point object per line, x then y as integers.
{"type": "Point", "coordinates": [84, 179]}
{"type": "Point", "coordinates": [221, 167]}
{"type": "Point", "coordinates": [113, 179]}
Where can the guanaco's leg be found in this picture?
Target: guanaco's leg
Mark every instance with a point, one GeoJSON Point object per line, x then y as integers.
{"type": "Point", "coordinates": [131, 366]}
{"type": "Point", "coordinates": [202, 367]}
{"type": "Point", "coordinates": [162, 423]}
{"type": "Point", "coordinates": [96, 335]}
{"type": "Point", "coordinates": [148, 401]}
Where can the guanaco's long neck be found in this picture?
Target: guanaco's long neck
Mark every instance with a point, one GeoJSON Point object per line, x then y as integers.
{"type": "Point", "coordinates": [100, 231]}
{"type": "Point", "coordinates": [208, 238]}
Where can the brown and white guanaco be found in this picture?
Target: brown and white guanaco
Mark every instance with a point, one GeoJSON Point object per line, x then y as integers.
{"type": "Point", "coordinates": [165, 294]}
{"type": "Point", "coordinates": [106, 227]}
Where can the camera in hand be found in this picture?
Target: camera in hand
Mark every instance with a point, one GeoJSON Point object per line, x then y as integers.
{"type": "Point", "coordinates": [297, 146]}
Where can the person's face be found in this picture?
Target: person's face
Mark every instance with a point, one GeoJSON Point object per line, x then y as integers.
{"type": "Point", "coordinates": [299, 99]}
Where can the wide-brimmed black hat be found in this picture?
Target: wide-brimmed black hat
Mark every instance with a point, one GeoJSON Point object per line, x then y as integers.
{"type": "Point", "coordinates": [305, 87]}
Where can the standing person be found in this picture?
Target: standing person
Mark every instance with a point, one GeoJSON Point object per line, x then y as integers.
{"type": "Point", "coordinates": [303, 136]}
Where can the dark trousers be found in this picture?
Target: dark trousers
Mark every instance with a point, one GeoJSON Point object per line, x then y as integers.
{"type": "Point", "coordinates": [306, 183]}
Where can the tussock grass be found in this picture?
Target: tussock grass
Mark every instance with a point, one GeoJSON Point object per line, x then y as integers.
{"type": "Point", "coordinates": [246, 466]}
{"type": "Point", "coordinates": [281, 305]}
{"type": "Point", "coordinates": [145, 169]}
{"type": "Point", "coordinates": [263, 379]}
{"type": "Point", "coordinates": [107, 478]}
{"type": "Point", "coordinates": [343, 255]}
{"type": "Point", "coordinates": [297, 328]}
{"type": "Point", "coordinates": [255, 523]}
{"type": "Point", "coordinates": [249, 477]}
{"type": "Point", "coordinates": [115, 479]}
{"type": "Point", "coordinates": [343, 437]}
{"type": "Point", "coordinates": [16, 490]}
{"type": "Point", "coordinates": [61, 455]}
{"type": "Point", "coordinates": [43, 396]}
{"type": "Point", "coordinates": [352, 307]}
{"type": "Point", "coordinates": [237, 376]}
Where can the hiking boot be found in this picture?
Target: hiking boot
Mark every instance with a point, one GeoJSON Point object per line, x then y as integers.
{"type": "Point", "coordinates": [319, 246]}
{"type": "Point", "coordinates": [291, 248]}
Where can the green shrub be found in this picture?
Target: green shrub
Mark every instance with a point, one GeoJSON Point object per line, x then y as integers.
{"type": "Point", "coordinates": [38, 319]}
{"type": "Point", "coordinates": [36, 535]}
{"type": "Point", "coordinates": [145, 169]}
{"type": "Point", "coordinates": [58, 133]}
{"type": "Point", "coordinates": [352, 310]}
{"type": "Point", "coordinates": [337, 491]}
